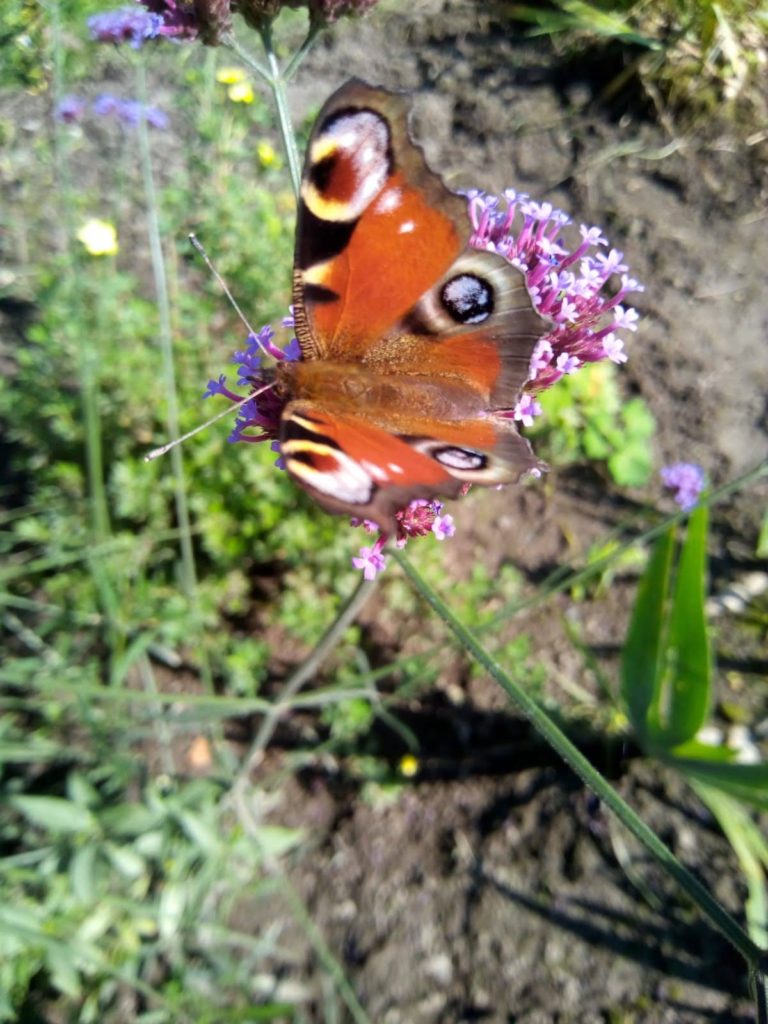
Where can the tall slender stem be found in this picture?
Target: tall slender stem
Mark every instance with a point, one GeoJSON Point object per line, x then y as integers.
{"type": "Point", "coordinates": [573, 757]}
{"type": "Point", "coordinates": [277, 82]}
{"type": "Point", "coordinates": [189, 575]}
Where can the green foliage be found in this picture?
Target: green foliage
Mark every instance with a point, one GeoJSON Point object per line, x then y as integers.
{"type": "Point", "coordinates": [585, 417]}
{"type": "Point", "coordinates": [698, 53]}
{"type": "Point", "coordinates": [666, 684]}
{"type": "Point", "coordinates": [111, 890]}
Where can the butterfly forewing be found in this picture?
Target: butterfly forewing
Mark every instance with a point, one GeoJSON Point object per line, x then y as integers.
{"type": "Point", "coordinates": [376, 228]}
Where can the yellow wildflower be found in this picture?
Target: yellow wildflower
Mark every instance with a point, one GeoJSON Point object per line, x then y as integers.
{"type": "Point", "coordinates": [230, 76]}
{"type": "Point", "coordinates": [99, 237]}
{"type": "Point", "coordinates": [266, 154]}
{"type": "Point", "coordinates": [240, 92]}
{"type": "Point", "coordinates": [409, 765]}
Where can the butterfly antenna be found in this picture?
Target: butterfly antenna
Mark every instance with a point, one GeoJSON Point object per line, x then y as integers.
{"type": "Point", "coordinates": [164, 448]}
{"type": "Point", "coordinates": [198, 247]}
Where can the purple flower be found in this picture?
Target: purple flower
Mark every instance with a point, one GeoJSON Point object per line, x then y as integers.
{"type": "Point", "coordinates": [179, 19]}
{"type": "Point", "coordinates": [69, 109]}
{"type": "Point", "coordinates": [443, 527]}
{"type": "Point", "coordinates": [371, 561]}
{"type": "Point", "coordinates": [132, 25]}
{"type": "Point", "coordinates": [687, 480]}
{"type": "Point", "coordinates": [129, 112]}
{"type": "Point", "coordinates": [584, 313]}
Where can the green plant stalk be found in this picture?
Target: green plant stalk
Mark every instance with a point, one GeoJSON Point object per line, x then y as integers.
{"type": "Point", "coordinates": [276, 80]}
{"type": "Point", "coordinates": [719, 917]}
{"type": "Point", "coordinates": [189, 574]}
{"type": "Point", "coordinates": [98, 508]}
{"type": "Point", "coordinates": [307, 669]}
{"type": "Point", "coordinates": [277, 84]}
{"type": "Point", "coordinates": [300, 912]}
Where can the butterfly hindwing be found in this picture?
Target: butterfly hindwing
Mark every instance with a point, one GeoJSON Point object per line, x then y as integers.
{"type": "Point", "coordinates": [354, 466]}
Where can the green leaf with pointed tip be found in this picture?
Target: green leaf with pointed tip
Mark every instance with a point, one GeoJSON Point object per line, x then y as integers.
{"type": "Point", "coordinates": [641, 657]}
{"type": "Point", "coordinates": [687, 682]}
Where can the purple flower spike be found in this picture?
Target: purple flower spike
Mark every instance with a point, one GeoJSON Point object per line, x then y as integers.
{"type": "Point", "coordinates": [132, 25]}
{"type": "Point", "coordinates": [129, 112]}
{"type": "Point", "coordinates": [571, 288]}
{"type": "Point", "coordinates": [687, 480]}
{"type": "Point", "coordinates": [69, 109]}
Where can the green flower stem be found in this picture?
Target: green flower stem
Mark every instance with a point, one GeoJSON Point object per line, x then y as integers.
{"type": "Point", "coordinates": [305, 671]}
{"type": "Point", "coordinates": [72, 297]}
{"type": "Point", "coordinates": [277, 84]}
{"type": "Point", "coordinates": [232, 44]}
{"type": "Point", "coordinates": [189, 574]}
{"type": "Point", "coordinates": [295, 62]}
{"type": "Point", "coordinates": [276, 79]}
{"type": "Point", "coordinates": [324, 955]}
{"type": "Point", "coordinates": [719, 917]}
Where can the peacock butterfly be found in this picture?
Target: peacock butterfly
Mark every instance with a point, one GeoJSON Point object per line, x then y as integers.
{"type": "Point", "coordinates": [414, 345]}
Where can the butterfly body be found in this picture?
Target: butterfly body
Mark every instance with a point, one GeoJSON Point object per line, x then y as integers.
{"type": "Point", "coordinates": [414, 346]}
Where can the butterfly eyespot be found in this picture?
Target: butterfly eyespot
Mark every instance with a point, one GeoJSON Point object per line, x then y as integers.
{"type": "Point", "coordinates": [467, 299]}
{"type": "Point", "coordinates": [349, 163]}
{"type": "Point", "coordinates": [459, 458]}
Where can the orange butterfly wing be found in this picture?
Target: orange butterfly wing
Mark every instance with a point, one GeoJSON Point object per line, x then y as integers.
{"type": "Point", "coordinates": [376, 228]}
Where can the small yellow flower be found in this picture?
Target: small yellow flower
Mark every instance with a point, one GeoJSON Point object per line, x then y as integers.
{"type": "Point", "coordinates": [240, 92]}
{"type": "Point", "coordinates": [230, 76]}
{"type": "Point", "coordinates": [99, 237]}
{"type": "Point", "coordinates": [266, 154]}
{"type": "Point", "coordinates": [409, 765]}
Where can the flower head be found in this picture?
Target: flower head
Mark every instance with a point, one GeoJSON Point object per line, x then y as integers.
{"type": "Point", "coordinates": [370, 561]}
{"type": "Point", "coordinates": [99, 237]}
{"type": "Point", "coordinates": [70, 109]}
{"type": "Point", "coordinates": [188, 19]}
{"type": "Point", "coordinates": [687, 480]}
{"type": "Point", "coordinates": [571, 288]}
{"type": "Point", "coordinates": [129, 112]}
{"type": "Point", "coordinates": [132, 25]}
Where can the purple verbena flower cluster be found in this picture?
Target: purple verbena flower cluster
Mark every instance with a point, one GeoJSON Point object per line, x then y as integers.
{"type": "Point", "coordinates": [687, 480]}
{"type": "Point", "coordinates": [128, 112]}
{"type": "Point", "coordinates": [569, 288]}
{"type": "Point", "coordinates": [419, 519]}
{"type": "Point", "coordinates": [133, 25]}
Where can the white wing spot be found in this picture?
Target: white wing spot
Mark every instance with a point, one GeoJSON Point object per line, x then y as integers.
{"type": "Point", "coordinates": [389, 201]}
{"type": "Point", "coordinates": [394, 468]}
{"type": "Point", "coordinates": [406, 227]}
{"type": "Point", "coordinates": [374, 472]}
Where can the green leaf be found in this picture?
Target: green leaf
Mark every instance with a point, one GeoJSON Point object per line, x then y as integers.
{"type": "Point", "coordinates": [631, 465]}
{"type": "Point", "coordinates": [688, 674]}
{"type": "Point", "coordinates": [54, 813]}
{"type": "Point", "coordinates": [638, 419]}
{"type": "Point", "coordinates": [762, 538]}
{"type": "Point", "coordinates": [747, 782]}
{"type": "Point", "coordinates": [641, 656]}
{"type": "Point", "coordinates": [751, 848]}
